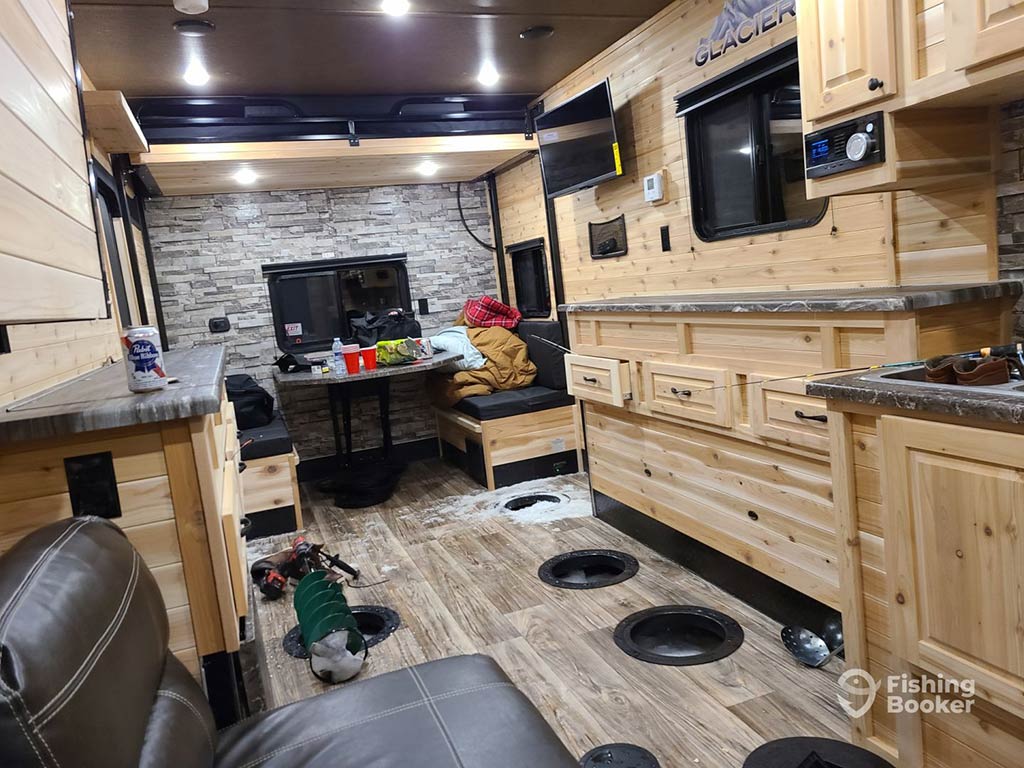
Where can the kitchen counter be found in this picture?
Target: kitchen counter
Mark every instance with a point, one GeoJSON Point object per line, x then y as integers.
{"type": "Point", "coordinates": [866, 300]}
{"type": "Point", "coordinates": [101, 399]}
{"type": "Point", "coordinates": [899, 389]}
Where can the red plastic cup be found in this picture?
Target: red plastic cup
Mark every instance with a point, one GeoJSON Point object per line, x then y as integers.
{"type": "Point", "coordinates": [351, 354]}
{"type": "Point", "coordinates": [369, 358]}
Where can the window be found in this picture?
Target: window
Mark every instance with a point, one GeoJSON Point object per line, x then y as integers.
{"type": "Point", "coordinates": [745, 147]}
{"type": "Point", "coordinates": [530, 278]}
{"type": "Point", "coordinates": [106, 206]}
{"type": "Point", "coordinates": [313, 302]}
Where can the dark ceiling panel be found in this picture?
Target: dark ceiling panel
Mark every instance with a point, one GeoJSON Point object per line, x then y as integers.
{"type": "Point", "coordinates": [303, 47]}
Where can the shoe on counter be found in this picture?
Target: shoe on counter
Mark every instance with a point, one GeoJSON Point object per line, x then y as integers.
{"type": "Point", "coordinates": [940, 370]}
{"type": "Point", "coordinates": [986, 372]}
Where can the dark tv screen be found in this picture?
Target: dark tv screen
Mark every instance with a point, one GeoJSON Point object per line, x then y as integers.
{"type": "Point", "coordinates": [578, 143]}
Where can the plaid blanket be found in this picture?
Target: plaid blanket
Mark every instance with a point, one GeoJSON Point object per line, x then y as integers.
{"type": "Point", "coordinates": [486, 312]}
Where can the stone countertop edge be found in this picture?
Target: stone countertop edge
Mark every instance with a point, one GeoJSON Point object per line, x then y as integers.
{"type": "Point", "coordinates": [905, 299]}
{"type": "Point", "coordinates": [43, 416]}
{"type": "Point", "coordinates": [968, 404]}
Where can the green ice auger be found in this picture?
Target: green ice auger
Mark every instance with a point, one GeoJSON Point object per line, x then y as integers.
{"type": "Point", "coordinates": [321, 608]}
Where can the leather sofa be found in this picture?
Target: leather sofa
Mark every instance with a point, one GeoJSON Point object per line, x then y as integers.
{"type": "Point", "coordinates": [86, 681]}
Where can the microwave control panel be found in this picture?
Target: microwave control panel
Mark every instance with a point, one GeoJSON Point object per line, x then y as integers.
{"type": "Point", "coordinates": [846, 146]}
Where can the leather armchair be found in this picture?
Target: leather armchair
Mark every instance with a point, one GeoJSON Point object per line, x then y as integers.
{"type": "Point", "coordinates": [86, 681]}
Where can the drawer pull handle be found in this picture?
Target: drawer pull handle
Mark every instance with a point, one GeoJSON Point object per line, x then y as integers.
{"type": "Point", "coordinates": [874, 84]}
{"type": "Point", "coordinates": [590, 379]}
{"type": "Point", "coordinates": [801, 415]}
{"type": "Point", "coordinates": [682, 392]}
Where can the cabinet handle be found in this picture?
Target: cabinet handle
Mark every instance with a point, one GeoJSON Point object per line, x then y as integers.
{"type": "Point", "coordinates": [242, 467]}
{"type": "Point", "coordinates": [874, 84]}
{"type": "Point", "coordinates": [801, 415]}
{"type": "Point", "coordinates": [681, 392]}
{"type": "Point", "coordinates": [590, 380]}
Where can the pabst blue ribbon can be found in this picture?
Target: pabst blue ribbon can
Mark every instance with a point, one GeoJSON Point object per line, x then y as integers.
{"type": "Point", "coordinates": [143, 358]}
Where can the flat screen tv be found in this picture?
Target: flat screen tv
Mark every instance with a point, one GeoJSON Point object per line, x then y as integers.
{"type": "Point", "coordinates": [578, 144]}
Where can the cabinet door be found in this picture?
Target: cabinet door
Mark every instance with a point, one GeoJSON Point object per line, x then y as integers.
{"type": "Point", "coordinates": [983, 30]}
{"type": "Point", "coordinates": [954, 518]}
{"type": "Point", "coordinates": [847, 55]}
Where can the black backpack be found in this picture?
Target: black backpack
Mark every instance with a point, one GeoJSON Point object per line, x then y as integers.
{"type": "Point", "coordinates": [254, 406]}
{"type": "Point", "coordinates": [384, 326]}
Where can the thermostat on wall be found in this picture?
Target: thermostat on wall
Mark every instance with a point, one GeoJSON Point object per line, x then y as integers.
{"type": "Point", "coordinates": [654, 187]}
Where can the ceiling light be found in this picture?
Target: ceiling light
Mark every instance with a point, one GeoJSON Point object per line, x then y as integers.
{"type": "Point", "coordinates": [195, 73]}
{"type": "Point", "coordinates": [246, 176]}
{"type": "Point", "coordinates": [428, 168]}
{"type": "Point", "coordinates": [537, 33]}
{"type": "Point", "coordinates": [192, 7]}
{"type": "Point", "coordinates": [488, 75]}
{"type": "Point", "coordinates": [194, 27]}
{"type": "Point", "coordinates": [395, 7]}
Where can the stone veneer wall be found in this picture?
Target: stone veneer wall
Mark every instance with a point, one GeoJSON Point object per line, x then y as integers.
{"type": "Point", "coordinates": [1011, 198]}
{"type": "Point", "coordinates": [208, 251]}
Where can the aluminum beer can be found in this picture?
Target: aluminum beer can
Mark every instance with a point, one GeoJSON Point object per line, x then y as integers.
{"type": "Point", "coordinates": [143, 358]}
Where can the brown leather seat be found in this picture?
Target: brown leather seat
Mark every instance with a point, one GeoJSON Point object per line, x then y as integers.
{"type": "Point", "coordinates": [86, 681]}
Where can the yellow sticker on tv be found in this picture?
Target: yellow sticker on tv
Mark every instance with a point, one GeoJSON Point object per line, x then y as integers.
{"type": "Point", "coordinates": [618, 158]}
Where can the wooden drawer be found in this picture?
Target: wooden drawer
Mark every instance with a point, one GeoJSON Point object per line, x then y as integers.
{"type": "Point", "coordinates": [691, 392]}
{"type": "Point", "coordinates": [598, 379]}
{"type": "Point", "coordinates": [779, 410]}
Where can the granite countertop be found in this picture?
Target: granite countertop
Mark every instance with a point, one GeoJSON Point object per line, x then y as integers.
{"type": "Point", "coordinates": [1003, 403]}
{"type": "Point", "coordinates": [839, 300]}
{"type": "Point", "coordinates": [101, 399]}
{"type": "Point", "coordinates": [308, 379]}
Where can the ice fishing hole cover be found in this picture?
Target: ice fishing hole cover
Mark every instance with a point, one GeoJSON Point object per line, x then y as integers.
{"type": "Point", "coordinates": [588, 569]}
{"type": "Point", "coordinates": [679, 635]}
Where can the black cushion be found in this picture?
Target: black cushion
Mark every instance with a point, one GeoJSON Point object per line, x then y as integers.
{"type": "Point", "coordinates": [548, 359]}
{"type": "Point", "coordinates": [461, 712]}
{"type": "Point", "coordinates": [271, 440]}
{"type": "Point", "coordinates": [514, 402]}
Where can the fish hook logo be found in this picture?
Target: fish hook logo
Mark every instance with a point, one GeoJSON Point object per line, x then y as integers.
{"type": "Point", "coordinates": [856, 683]}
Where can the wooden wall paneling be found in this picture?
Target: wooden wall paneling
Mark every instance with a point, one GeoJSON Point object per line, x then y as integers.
{"type": "Point", "coordinates": [209, 455]}
{"type": "Point", "coordinates": [193, 538]}
{"type": "Point", "coordinates": [851, 603]}
{"type": "Point", "coordinates": [48, 252]}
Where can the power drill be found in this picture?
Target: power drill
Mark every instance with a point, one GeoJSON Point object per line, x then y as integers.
{"type": "Point", "coordinates": [272, 573]}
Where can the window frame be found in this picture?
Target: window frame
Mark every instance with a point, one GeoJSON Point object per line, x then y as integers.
{"type": "Point", "coordinates": [276, 272]}
{"type": "Point", "coordinates": [528, 248]}
{"type": "Point", "coordinates": [743, 80]}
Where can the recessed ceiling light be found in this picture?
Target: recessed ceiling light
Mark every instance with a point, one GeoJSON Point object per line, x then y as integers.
{"type": "Point", "coordinates": [395, 7]}
{"type": "Point", "coordinates": [246, 176]}
{"type": "Point", "coordinates": [488, 75]}
{"type": "Point", "coordinates": [195, 73]}
{"type": "Point", "coordinates": [428, 168]}
{"type": "Point", "coordinates": [194, 27]}
{"type": "Point", "coordinates": [537, 33]}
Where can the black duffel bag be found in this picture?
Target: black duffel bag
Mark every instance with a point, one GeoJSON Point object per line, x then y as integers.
{"type": "Point", "coordinates": [384, 326]}
{"type": "Point", "coordinates": [254, 406]}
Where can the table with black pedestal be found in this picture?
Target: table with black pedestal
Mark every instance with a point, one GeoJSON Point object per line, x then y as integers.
{"type": "Point", "coordinates": [339, 392]}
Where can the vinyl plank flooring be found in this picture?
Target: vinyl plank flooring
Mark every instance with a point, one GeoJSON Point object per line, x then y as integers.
{"type": "Point", "coordinates": [466, 582]}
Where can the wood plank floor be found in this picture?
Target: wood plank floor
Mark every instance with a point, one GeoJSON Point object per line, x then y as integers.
{"type": "Point", "coordinates": [468, 586]}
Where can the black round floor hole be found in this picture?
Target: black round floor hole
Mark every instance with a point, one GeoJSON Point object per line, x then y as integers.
{"type": "Point", "coordinates": [678, 635]}
{"type": "Point", "coordinates": [376, 622]}
{"type": "Point", "coordinates": [588, 569]}
{"type": "Point", "coordinates": [619, 756]}
{"type": "Point", "coordinates": [529, 500]}
{"type": "Point", "coordinates": [807, 752]}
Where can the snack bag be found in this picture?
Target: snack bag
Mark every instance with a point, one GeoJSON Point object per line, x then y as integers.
{"type": "Point", "coordinates": [396, 352]}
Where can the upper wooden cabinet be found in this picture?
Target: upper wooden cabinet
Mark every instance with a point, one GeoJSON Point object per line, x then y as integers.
{"type": "Point", "coordinates": [954, 510]}
{"type": "Point", "coordinates": [979, 31]}
{"type": "Point", "coordinates": [847, 54]}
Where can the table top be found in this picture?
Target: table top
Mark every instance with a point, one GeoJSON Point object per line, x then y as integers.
{"type": "Point", "coordinates": [308, 379]}
{"type": "Point", "coordinates": [101, 399]}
